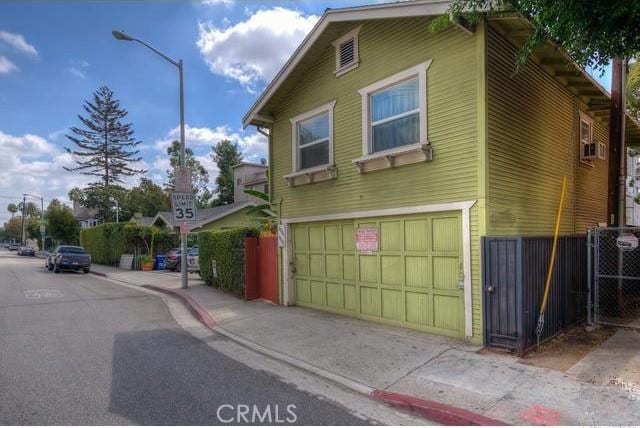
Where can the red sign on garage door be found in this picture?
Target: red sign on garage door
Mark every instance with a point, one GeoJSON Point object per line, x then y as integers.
{"type": "Point", "coordinates": [367, 240]}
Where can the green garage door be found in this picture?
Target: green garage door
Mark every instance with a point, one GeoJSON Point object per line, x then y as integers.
{"type": "Point", "coordinates": [414, 279]}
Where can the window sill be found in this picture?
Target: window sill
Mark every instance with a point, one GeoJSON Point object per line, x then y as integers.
{"type": "Point", "coordinates": [311, 175]}
{"type": "Point", "coordinates": [395, 157]}
{"type": "Point", "coordinates": [347, 68]}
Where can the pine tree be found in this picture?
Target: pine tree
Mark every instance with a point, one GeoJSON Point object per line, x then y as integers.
{"type": "Point", "coordinates": [225, 154]}
{"type": "Point", "coordinates": [105, 146]}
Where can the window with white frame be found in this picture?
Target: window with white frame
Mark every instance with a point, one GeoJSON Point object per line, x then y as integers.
{"type": "Point", "coordinates": [347, 56]}
{"type": "Point", "coordinates": [312, 134]}
{"type": "Point", "coordinates": [588, 147]}
{"type": "Point", "coordinates": [394, 111]}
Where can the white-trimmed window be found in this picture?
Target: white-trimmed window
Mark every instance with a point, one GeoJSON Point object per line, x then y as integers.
{"type": "Point", "coordinates": [394, 112]}
{"type": "Point", "coordinates": [588, 147]}
{"type": "Point", "coordinates": [347, 56]}
{"type": "Point", "coordinates": [312, 138]}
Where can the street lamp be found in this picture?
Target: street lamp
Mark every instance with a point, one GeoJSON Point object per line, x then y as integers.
{"type": "Point", "coordinates": [24, 195]}
{"type": "Point", "coordinates": [112, 199]}
{"type": "Point", "coordinates": [121, 35]}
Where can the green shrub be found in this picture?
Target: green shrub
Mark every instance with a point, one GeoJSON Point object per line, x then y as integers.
{"type": "Point", "coordinates": [226, 247]}
{"type": "Point", "coordinates": [105, 242]}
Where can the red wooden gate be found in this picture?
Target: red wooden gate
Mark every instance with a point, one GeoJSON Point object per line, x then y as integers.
{"type": "Point", "coordinates": [261, 268]}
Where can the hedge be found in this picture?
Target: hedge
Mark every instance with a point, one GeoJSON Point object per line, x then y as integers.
{"type": "Point", "coordinates": [226, 247]}
{"type": "Point", "coordinates": [105, 242]}
{"type": "Point", "coordinates": [108, 241]}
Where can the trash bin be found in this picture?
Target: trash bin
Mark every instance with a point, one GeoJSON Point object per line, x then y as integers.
{"type": "Point", "coordinates": [161, 262]}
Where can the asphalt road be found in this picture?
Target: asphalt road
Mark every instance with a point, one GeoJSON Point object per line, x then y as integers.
{"type": "Point", "coordinates": [79, 350]}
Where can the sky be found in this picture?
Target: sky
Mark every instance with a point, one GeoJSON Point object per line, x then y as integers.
{"type": "Point", "coordinates": [54, 54]}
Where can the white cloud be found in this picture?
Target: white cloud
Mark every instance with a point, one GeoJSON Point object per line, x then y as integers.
{"type": "Point", "coordinates": [252, 51]}
{"type": "Point", "coordinates": [6, 66]}
{"type": "Point", "coordinates": [78, 68]}
{"type": "Point", "coordinates": [18, 42]}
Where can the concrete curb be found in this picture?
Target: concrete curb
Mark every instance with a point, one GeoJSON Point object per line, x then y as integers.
{"type": "Point", "coordinates": [194, 307]}
{"type": "Point", "coordinates": [431, 410]}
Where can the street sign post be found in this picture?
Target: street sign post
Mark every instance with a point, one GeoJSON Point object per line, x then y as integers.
{"type": "Point", "coordinates": [183, 182]}
{"type": "Point", "coordinates": [184, 207]}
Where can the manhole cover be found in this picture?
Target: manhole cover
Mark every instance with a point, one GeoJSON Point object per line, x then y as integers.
{"type": "Point", "coordinates": [42, 294]}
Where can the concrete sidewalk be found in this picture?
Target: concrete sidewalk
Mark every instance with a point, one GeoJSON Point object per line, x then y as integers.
{"type": "Point", "coordinates": [382, 358]}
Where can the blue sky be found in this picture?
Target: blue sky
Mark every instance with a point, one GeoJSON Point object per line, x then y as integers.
{"type": "Point", "coordinates": [54, 54]}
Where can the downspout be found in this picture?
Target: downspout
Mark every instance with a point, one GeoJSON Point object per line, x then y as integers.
{"type": "Point", "coordinates": [622, 177]}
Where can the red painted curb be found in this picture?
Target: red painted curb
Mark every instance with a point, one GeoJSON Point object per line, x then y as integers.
{"type": "Point", "coordinates": [434, 411]}
{"type": "Point", "coordinates": [198, 311]}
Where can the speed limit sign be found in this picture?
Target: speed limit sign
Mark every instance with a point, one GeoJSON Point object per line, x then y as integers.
{"type": "Point", "coordinates": [184, 207]}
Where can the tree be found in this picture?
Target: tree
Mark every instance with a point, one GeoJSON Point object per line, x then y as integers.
{"type": "Point", "coordinates": [61, 224]}
{"type": "Point", "coordinates": [199, 174]}
{"type": "Point", "coordinates": [105, 146]}
{"type": "Point", "coordinates": [76, 195]}
{"type": "Point", "coordinates": [592, 32]}
{"type": "Point", "coordinates": [101, 198]}
{"type": "Point", "coordinates": [225, 154]}
{"type": "Point", "coordinates": [30, 209]}
{"type": "Point", "coordinates": [13, 209]}
{"type": "Point", "coordinates": [147, 198]}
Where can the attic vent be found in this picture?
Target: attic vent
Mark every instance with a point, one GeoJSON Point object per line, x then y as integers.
{"type": "Point", "coordinates": [347, 52]}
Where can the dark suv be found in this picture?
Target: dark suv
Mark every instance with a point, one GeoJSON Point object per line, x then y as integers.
{"type": "Point", "coordinates": [69, 257]}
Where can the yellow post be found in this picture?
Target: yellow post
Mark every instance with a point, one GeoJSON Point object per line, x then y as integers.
{"type": "Point", "coordinates": [547, 285]}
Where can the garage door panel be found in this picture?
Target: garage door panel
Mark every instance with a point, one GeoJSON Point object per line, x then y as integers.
{"type": "Point", "coordinates": [303, 293]}
{"type": "Point", "coordinates": [368, 268]}
{"type": "Point", "coordinates": [333, 266]}
{"type": "Point", "coordinates": [446, 310]}
{"type": "Point", "coordinates": [417, 308]}
{"type": "Point", "coordinates": [370, 301]}
{"type": "Point", "coordinates": [391, 270]}
{"type": "Point", "coordinates": [446, 273]}
{"type": "Point", "coordinates": [416, 235]}
{"type": "Point", "coordinates": [301, 238]}
{"type": "Point", "coordinates": [318, 293]}
{"type": "Point", "coordinates": [445, 234]}
{"type": "Point", "coordinates": [390, 236]}
{"type": "Point", "coordinates": [316, 265]}
{"type": "Point", "coordinates": [350, 298]}
{"type": "Point", "coordinates": [348, 237]}
{"type": "Point", "coordinates": [302, 264]}
{"type": "Point", "coordinates": [349, 267]}
{"type": "Point", "coordinates": [392, 305]}
{"type": "Point", "coordinates": [316, 237]}
{"type": "Point", "coordinates": [332, 238]}
{"type": "Point", "coordinates": [335, 295]}
{"type": "Point", "coordinates": [417, 271]}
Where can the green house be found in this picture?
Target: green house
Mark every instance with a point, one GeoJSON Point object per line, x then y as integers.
{"type": "Point", "coordinates": [394, 149]}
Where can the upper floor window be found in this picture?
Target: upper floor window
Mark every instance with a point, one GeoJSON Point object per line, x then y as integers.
{"type": "Point", "coordinates": [347, 56]}
{"type": "Point", "coordinates": [312, 134]}
{"type": "Point", "coordinates": [587, 146]}
{"type": "Point", "coordinates": [394, 111]}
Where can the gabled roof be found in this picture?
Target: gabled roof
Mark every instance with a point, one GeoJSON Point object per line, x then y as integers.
{"type": "Point", "coordinates": [401, 9]}
{"type": "Point", "coordinates": [204, 215]}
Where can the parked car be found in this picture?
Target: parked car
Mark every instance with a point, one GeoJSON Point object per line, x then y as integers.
{"type": "Point", "coordinates": [173, 259]}
{"type": "Point", "coordinates": [69, 257]}
{"type": "Point", "coordinates": [14, 247]}
{"type": "Point", "coordinates": [193, 260]}
{"type": "Point", "coordinates": [26, 251]}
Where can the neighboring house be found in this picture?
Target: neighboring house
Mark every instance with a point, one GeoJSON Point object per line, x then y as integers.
{"type": "Point", "coordinates": [633, 190]}
{"type": "Point", "coordinates": [394, 149]}
{"type": "Point", "coordinates": [248, 175]}
{"type": "Point", "coordinates": [84, 216]}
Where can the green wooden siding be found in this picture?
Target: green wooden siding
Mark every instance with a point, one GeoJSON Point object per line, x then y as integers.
{"type": "Point", "coordinates": [413, 279]}
{"type": "Point", "coordinates": [388, 47]}
{"type": "Point", "coordinates": [236, 219]}
{"type": "Point", "coordinates": [532, 143]}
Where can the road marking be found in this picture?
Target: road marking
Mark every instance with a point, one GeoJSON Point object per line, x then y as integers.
{"type": "Point", "coordinates": [42, 294]}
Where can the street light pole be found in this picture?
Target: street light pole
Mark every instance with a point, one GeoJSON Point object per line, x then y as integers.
{"type": "Point", "coordinates": [121, 35]}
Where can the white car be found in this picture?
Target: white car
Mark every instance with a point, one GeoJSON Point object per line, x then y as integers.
{"type": "Point", "coordinates": [193, 260]}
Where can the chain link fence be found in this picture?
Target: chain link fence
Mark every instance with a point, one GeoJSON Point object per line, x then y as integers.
{"type": "Point", "coordinates": [616, 276]}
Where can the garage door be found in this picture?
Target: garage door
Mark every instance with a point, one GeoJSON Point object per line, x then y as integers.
{"type": "Point", "coordinates": [414, 279]}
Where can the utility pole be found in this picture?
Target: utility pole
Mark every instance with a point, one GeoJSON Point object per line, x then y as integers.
{"type": "Point", "coordinates": [617, 164]}
{"type": "Point", "coordinates": [24, 206]}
